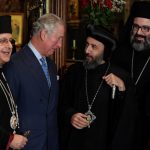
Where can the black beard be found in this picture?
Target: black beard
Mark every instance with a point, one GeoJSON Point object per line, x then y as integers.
{"type": "Point", "coordinates": [93, 63]}
{"type": "Point", "coordinates": [140, 45]}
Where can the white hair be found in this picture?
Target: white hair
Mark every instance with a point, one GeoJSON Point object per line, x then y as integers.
{"type": "Point", "coordinates": [48, 22]}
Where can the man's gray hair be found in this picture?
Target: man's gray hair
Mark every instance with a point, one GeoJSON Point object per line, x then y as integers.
{"type": "Point", "coordinates": [48, 22]}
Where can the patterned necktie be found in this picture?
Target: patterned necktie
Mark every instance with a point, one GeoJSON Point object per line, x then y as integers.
{"type": "Point", "coordinates": [45, 69]}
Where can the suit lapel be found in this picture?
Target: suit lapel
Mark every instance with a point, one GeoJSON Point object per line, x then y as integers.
{"type": "Point", "coordinates": [35, 68]}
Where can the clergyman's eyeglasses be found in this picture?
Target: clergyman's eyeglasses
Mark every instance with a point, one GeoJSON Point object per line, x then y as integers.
{"type": "Point", "coordinates": [5, 41]}
{"type": "Point", "coordinates": [144, 29]}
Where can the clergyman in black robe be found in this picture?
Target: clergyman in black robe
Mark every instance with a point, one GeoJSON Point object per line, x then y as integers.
{"type": "Point", "coordinates": [89, 112]}
{"type": "Point", "coordinates": [9, 121]}
{"type": "Point", "coordinates": [133, 54]}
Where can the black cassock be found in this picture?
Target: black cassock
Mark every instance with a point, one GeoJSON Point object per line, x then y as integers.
{"type": "Point", "coordinates": [112, 115]}
{"type": "Point", "coordinates": [123, 57]}
{"type": "Point", "coordinates": [5, 116]}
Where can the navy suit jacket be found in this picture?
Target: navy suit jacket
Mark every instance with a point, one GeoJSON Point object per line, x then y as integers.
{"type": "Point", "coordinates": [37, 103]}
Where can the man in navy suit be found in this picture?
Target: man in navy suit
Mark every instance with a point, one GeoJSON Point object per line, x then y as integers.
{"type": "Point", "coordinates": [35, 94]}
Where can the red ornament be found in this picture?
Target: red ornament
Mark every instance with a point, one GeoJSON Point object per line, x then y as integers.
{"type": "Point", "coordinates": [108, 3]}
{"type": "Point", "coordinates": [84, 3]}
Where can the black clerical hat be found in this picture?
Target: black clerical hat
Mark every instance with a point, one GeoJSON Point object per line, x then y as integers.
{"type": "Point", "coordinates": [141, 9]}
{"type": "Point", "coordinates": [101, 34]}
{"type": "Point", "coordinates": [5, 24]}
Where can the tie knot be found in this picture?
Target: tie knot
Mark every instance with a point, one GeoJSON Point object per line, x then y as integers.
{"type": "Point", "coordinates": [43, 61]}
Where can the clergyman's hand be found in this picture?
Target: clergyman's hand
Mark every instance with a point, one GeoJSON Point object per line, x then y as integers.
{"type": "Point", "coordinates": [111, 79]}
{"type": "Point", "coordinates": [18, 142]}
{"type": "Point", "coordinates": [79, 121]}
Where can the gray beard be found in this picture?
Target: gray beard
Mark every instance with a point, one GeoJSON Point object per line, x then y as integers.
{"type": "Point", "coordinates": [92, 64]}
{"type": "Point", "coordinates": [140, 46]}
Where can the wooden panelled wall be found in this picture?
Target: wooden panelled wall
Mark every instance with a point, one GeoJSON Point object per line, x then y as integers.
{"type": "Point", "coordinates": [58, 7]}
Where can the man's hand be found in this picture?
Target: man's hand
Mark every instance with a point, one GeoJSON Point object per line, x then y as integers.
{"type": "Point", "coordinates": [112, 79]}
{"type": "Point", "coordinates": [18, 142]}
{"type": "Point", "coordinates": [79, 121]}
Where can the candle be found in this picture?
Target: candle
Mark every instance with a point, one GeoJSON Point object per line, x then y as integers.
{"type": "Point", "coordinates": [74, 43]}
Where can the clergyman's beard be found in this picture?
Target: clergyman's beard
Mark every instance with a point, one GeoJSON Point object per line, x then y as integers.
{"type": "Point", "coordinates": [140, 45]}
{"type": "Point", "coordinates": [93, 63]}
